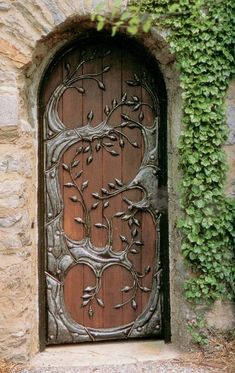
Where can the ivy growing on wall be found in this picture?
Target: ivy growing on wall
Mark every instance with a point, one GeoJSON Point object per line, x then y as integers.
{"type": "Point", "coordinates": [201, 34]}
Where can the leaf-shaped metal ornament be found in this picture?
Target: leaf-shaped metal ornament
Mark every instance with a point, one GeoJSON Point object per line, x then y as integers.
{"type": "Point", "coordinates": [118, 182]}
{"type": "Point", "coordinates": [141, 116]}
{"type": "Point", "coordinates": [130, 103]}
{"type": "Point", "coordinates": [106, 110]}
{"type": "Point", "coordinates": [134, 232]}
{"type": "Point", "coordinates": [75, 163]}
{"type": "Point", "coordinates": [132, 125]}
{"type": "Point", "coordinates": [67, 68]}
{"type": "Point", "coordinates": [130, 222]}
{"type": "Point", "coordinates": [136, 222]}
{"type": "Point", "coordinates": [101, 85]}
{"type": "Point", "coordinates": [114, 153]}
{"type": "Point", "coordinates": [89, 159]}
{"type": "Point", "coordinates": [84, 185]}
{"type": "Point", "coordinates": [121, 143]}
{"type": "Point", "coordinates": [85, 302]}
{"type": "Point", "coordinates": [94, 206]}
{"type": "Point", "coordinates": [69, 185]}
{"type": "Point", "coordinates": [80, 89]}
{"type": "Point", "coordinates": [147, 270]}
{"type": "Point", "coordinates": [111, 185]}
{"type": "Point", "coordinates": [145, 289]}
{"type": "Point", "coordinates": [136, 107]}
{"type": "Point", "coordinates": [106, 68]}
{"type": "Point", "coordinates": [95, 195]}
{"type": "Point", "coordinates": [99, 225]}
{"type": "Point", "coordinates": [107, 52]}
{"type": "Point", "coordinates": [118, 306]}
{"type": "Point", "coordinates": [91, 312]}
{"type": "Point", "coordinates": [106, 204]}
{"type": "Point", "coordinates": [137, 79]}
{"type": "Point", "coordinates": [79, 150]}
{"type": "Point", "coordinates": [74, 198]}
{"type": "Point", "coordinates": [112, 137]}
{"type": "Point", "coordinates": [120, 213]}
{"type": "Point", "coordinates": [124, 124]}
{"type": "Point", "coordinates": [79, 220]}
{"type": "Point", "coordinates": [78, 174]}
{"type": "Point", "coordinates": [126, 217]}
{"type": "Point", "coordinates": [100, 302]}
{"type": "Point", "coordinates": [123, 238]}
{"type": "Point", "coordinates": [86, 296]}
{"type": "Point", "coordinates": [124, 97]}
{"type": "Point", "coordinates": [90, 116]}
{"type": "Point", "coordinates": [114, 103]}
{"type": "Point", "coordinates": [86, 149]}
{"type": "Point", "coordinates": [135, 98]}
{"type": "Point", "coordinates": [133, 304]}
{"type": "Point", "coordinates": [108, 144]}
{"type": "Point", "coordinates": [135, 144]}
{"type": "Point", "coordinates": [65, 167]}
{"type": "Point", "coordinates": [139, 243]}
{"type": "Point", "coordinates": [104, 191]}
{"type": "Point", "coordinates": [98, 146]}
{"type": "Point", "coordinates": [131, 82]}
{"type": "Point", "coordinates": [134, 251]}
{"type": "Point", "coordinates": [126, 289]}
{"type": "Point", "coordinates": [89, 288]}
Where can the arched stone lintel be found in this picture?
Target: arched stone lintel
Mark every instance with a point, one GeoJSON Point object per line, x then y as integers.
{"type": "Point", "coordinates": [155, 42]}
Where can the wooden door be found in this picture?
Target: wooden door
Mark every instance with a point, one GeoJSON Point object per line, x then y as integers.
{"type": "Point", "coordinates": [100, 116]}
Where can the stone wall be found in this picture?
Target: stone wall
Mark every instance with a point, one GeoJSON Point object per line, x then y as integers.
{"type": "Point", "coordinates": [229, 147]}
{"type": "Point", "coordinates": [31, 32]}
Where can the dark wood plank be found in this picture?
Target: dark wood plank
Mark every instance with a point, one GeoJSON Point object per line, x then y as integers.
{"type": "Point", "coordinates": [112, 278]}
{"type": "Point", "coordinates": [149, 230]}
{"type": "Point", "coordinates": [92, 174]}
{"type": "Point", "coordinates": [107, 164]}
{"type": "Point", "coordinates": [132, 157]}
{"type": "Point", "coordinates": [73, 291]}
{"type": "Point", "coordinates": [72, 98]}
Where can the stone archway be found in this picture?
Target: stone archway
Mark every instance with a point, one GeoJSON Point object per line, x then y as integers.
{"type": "Point", "coordinates": [115, 130]}
{"type": "Point", "coordinates": [23, 66]}
{"type": "Point", "coordinates": [159, 50]}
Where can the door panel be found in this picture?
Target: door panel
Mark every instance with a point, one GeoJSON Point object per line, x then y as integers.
{"type": "Point", "coordinates": [100, 116]}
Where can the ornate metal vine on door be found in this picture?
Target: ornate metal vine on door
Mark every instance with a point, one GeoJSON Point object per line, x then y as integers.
{"type": "Point", "coordinates": [64, 252]}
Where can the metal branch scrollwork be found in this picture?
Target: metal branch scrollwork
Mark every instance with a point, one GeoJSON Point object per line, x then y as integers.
{"type": "Point", "coordinates": [64, 252]}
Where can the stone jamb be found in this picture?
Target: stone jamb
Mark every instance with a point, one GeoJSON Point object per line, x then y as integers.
{"type": "Point", "coordinates": [43, 55]}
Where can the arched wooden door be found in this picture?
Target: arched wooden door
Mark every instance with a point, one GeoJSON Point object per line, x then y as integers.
{"type": "Point", "coordinates": [100, 112]}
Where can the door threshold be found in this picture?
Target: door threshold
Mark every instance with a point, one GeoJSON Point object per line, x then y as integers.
{"type": "Point", "coordinates": [102, 356]}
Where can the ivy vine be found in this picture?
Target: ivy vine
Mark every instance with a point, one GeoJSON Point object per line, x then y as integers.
{"type": "Point", "coordinates": [201, 34]}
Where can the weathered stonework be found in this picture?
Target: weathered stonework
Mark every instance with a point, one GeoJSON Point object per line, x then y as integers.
{"type": "Point", "coordinates": [230, 144]}
{"type": "Point", "coordinates": [31, 33]}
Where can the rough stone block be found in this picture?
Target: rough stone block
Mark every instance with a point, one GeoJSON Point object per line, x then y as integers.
{"type": "Point", "coordinates": [8, 134]}
{"type": "Point", "coordinates": [12, 193]}
{"type": "Point", "coordinates": [230, 182]}
{"type": "Point", "coordinates": [230, 112]}
{"type": "Point", "coordinates": [10, 242]}
{"type": "Point", "coordinates": [11, 51]}
{"type": "Point", "coordinates": [55, 11]}
{"type": "Point", "coordinates": [13, 162]}
{"type": "Point", "coordinates": [231, 124]}
{"type": "Point", "coordinates": [4, 6]}
{"type": "Point", "coordinates": [9, 220]}
{"type": "Point", "coordinates": [222, 316]}
{"type": "Point", "coordinates": [8, 110]}
{"type": "Point", "coordinates": [7, 79]}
